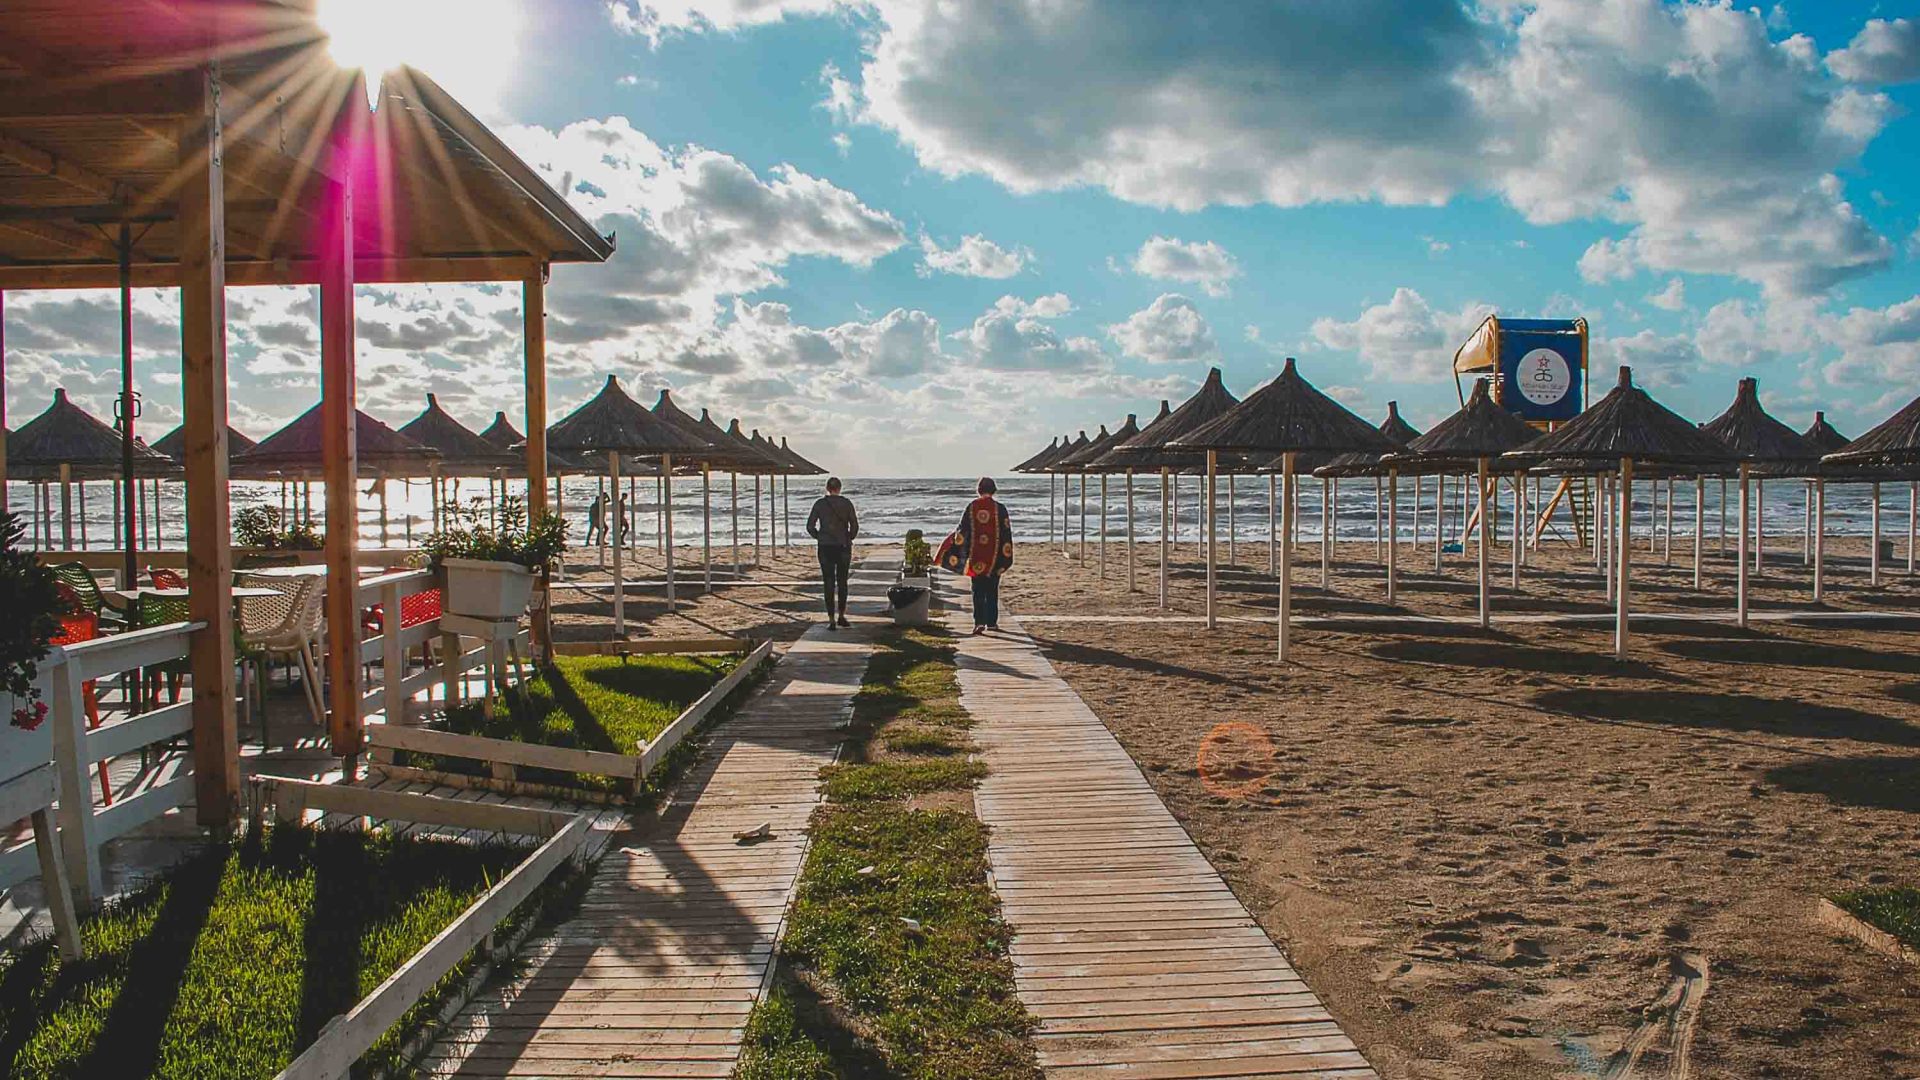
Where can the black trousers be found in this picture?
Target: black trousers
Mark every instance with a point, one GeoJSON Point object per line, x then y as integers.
{"type": "Point", "coordinates": [836, 563]}
{"type": "Point", "coordinates": [986, 600]}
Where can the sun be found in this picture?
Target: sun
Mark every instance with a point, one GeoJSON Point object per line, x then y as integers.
{"type": "Point", "coordinates": [467, 46]}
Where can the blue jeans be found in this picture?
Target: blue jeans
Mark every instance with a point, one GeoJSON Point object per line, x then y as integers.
{"type": "Point", "coordinates": [986, 600]}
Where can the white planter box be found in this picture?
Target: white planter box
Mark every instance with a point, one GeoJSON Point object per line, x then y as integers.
{"type": "Point", "coordinates": [916, 613]}
{"type": "Point", "coordinates": [483, 589]}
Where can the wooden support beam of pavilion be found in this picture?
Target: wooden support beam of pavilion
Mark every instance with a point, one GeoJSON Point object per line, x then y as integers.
{"type": "Point", "coordinates": [166, 275]}
{"type": "Point", "coordinates": [340, 454]}
{"type": "Point", "coordinates": [203, 348]}
{"type": "Point", "coordinates": [533, 312]}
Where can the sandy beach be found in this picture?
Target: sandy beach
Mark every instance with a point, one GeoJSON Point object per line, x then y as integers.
{"type": "Point", "coordinates": [1502, 854]}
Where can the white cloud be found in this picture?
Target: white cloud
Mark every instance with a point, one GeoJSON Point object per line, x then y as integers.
{"type": "Point", "coordinates": [1608, 260]}
{"type": "Point", "coordinates": [1014, 335]}
{"type": "Point", "coordinates": [1404, 338]}
{"type": "Point", "coordinates": [974, 256]}
{"type": "Point", "coordinates": [1207, 264]}
{"type": "Point", "coordinates": [1882, 52]}
{"type": "Point", "coordinates": [1658, 361]}
{"type": "Point", "coordinates": [1170, 330]}
{"type": "Point", "coordinates": [1712, 145]}
{"type": "Point", "coordinates": [653, 19]}
{"type": "Point", "coordinates": [1671, 298]}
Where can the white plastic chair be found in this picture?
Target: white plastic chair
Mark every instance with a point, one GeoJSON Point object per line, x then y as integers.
{"type": "Point", "coordinates": [286, 625]}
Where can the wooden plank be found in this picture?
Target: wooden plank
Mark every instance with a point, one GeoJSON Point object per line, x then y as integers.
{"type": "Point", "coordinates": [654, 647]}
{"type": "Point", "coordinates": [689, 721]}
{"type": "Point", "coordinates": [1128, 947]}
{"type": "Point", "coordinates": [356, 801]}
{"type": "Point", "coordinates": [31, 790]}
{"type": "Point", "coordinates": [134, 732]}
{"type": "Point", "coordinates": [129, 812]}
{"type": "Point", "coordinates": [565, 759]}
{"type": "Point", "coordinates": [344, 1039]}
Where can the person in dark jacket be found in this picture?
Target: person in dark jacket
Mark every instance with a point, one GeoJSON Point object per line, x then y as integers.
{"type": "Point", "coordinates": [982, 548]}
{"type": "Point", "coordinates": [833, 524]}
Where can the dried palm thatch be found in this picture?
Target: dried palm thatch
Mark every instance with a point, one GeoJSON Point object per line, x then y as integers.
{"type": "Point", "coordinates": [1825, 435]}
{"type": "Point", "coordinates": [502, 433]}
{"type": "Point", "coordinates": [776, 464]}
{"type": "Point", "coordinates": [1625, 424]}
{"type": "Point", "coordinates": [174, 443]}
{"type": "Point", "coordinates": [1078, 461]}
{"type": "Point", "coordinates": [1097, 459]}
{"type": "Point", "coordinates": [1116, 461]}
{"type": "Point", "coordinates": [750, 460]}
{"type": "Point", "coordinates": [1207, 404]}
{"type": "Point", "coordinates": [295, 451]}
{"type": "Point", "coordinates": [1754, 436]}
{"type": "Point", "coordinates": [462, 451]}
{"type": "Point", "coordinates": [614, 422]}
{"type": "Point", "coordinates": [1286, 416]}
{"type": "Point", "coordinates": [66, 434]}
{"type": "Point", "coordinates": [1480, 429]}
{"type": "Point", "coordinates": [1051, 449]}
{"type": "Point", "coordinates": [1078, 444]}
{"type": "Point", "coordinates": [715, 453]}
{"type": "Point", "coordinates": [807, 468]}
{"type": "Point", "coordinates": [1360, 463]}
{"type": "Point", "coordinates": [1895, 442]}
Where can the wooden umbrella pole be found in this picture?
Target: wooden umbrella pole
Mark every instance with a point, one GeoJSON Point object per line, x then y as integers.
{"type": "Point", "coordinates": [1378, 552]}
{"type": "Point", "coordinates": [1699, 524]}
{"type": "Point", "coordinates": [1913, 520]}
{"type": "Point", "coordinates": [1165, 539]}
{"type": "Point", "coordinates": [66, 507]}
{"type": "Point", "coordinates": [1083, 519]}
{"type": "Point", "coordinates": [1049, 508]}
{"type": "Point", "coordinates": [1273, 521]}
{"type": "Point", "coordinates": [1393, 530]}
{"type": "Point", "coordinates": [1439, 517]}
{"type": "Point", "coordinates": [1211, 538]}
{"type": "Point", "coordinates": [756, 523]}
{"type": "Point", "coordinates": [619, 542]}
{"type": "Point", "coordinates": [1329, 514]}
{"type": "Point", "coordinates": [116, 513]}
{"type": "Point", "coordinates": [382, 481]}
{"type": "Point", "coordinates": [1132, 582]}
{"type": "Point", "coordinates": [1518, 526]}
{"type": "Point", "coordinates": [733, 530]}
{"type": "Point", "coordinates": [1723, 515]}
{"type": "Point", "coordinates": [706, 524]}
{"type": "Point", "coordinates": [1740, 578]}
{"type": "Point", "coordinates": [666, 478]}
{"type": "Point", "coordinates": [1609, 531]}
{"type": "Point", "coordinates": [1873, 563]}
{"type": "Point", "coordinates": [1175, 526]}
{"type": "Point", "coordinates": [82, 486]}
{"type": "Point", "coordinates": [1620, 630]}
{"type": "Point", "coordinates": [1286, 553]}
{"type": "Point", "coordinates": [1233, 523]}
{"type": "Point", "coordinates": [1486, 541]}
{"type": "Point", "coordinates": [1666, 544]}
{"type": "Point", "coordinates": [1819, 538]}
{"type": "Point", "coordinates": [1759, 522]}
{"type": "Point", "coordinates": [1103, 526]}
{"type": "Point", "coordinates": [1806, 527]}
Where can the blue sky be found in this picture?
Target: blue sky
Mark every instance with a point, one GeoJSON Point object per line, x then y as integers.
{"type": "Point", "coordinates": [1149, 189]}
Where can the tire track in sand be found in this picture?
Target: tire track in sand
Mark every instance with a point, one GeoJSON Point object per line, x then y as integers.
{"type": "Point", "coordinates": [1666, 1034]}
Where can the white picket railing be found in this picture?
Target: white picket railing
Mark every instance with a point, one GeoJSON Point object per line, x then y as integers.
{"type": "Point", "coordinates": [390, 648]}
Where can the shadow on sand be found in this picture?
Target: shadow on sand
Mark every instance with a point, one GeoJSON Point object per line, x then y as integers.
{"type": "Point", "coordinates": [1879, 783]}
{"type": "Point", "coordinates": [1723, 712]}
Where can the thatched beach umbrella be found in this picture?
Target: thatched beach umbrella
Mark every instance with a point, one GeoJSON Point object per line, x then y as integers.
{"type": "Point", "coordinates": [294, 454]}
{"type": "Point", "coordinates": [614, 424]}
{"type": "Point", "coordinates": [1758, 442]}
{"type": "Point", "coordinates": [800, 467]}
{"type": "Point", "coordinates": [463, 452]}
{"type": "Point", "coordinates": [1890, 451]}
{"type": "Point", "coordinates": [717, 453]}
{"type": "Point", "coordinates": [1153, 449]}
{"type": "Point", "coordinates": [1114, 461]}
{"type": "Point", "coordinates": [1287, 416]}
{"type": "Point", "coordinates": [1036, 463]}
{"type": "Point", "coordinates": [1630, 428]}
{"type": "Point", "coordinates": [174, 444]}
{"type": "Point", "coordinates": [1332, 468]}
{"type": "Point", "coordinates": [1058, 467]}
{"type": "Point", "coordinates": [750, 462]}
{"type": "Point", "coordinates": [1086, 461]}
{"type": "Point", "coordinates": [1473, 436]}
{"type": "Point", "coordinates": [67, 445]}
{"type": "Point", "coordinates": [780, 467]}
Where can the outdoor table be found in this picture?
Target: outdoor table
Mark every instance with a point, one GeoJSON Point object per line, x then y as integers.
{"type": "Point", "coordinates": [126, 596]}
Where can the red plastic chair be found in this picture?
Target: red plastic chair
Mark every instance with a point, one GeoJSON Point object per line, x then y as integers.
{"type": "Point", "coordinates": [78, 624]}
{"type": "Point", "coordinates": [165, 579]}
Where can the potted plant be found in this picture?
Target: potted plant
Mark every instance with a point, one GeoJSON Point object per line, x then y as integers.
{"type": "Point", "coordinates": [909, 598]}
{"type": "Point", "coordinates": [261, 527]}
{"type": "Point", "coordinates": [490, 568]}
{"type": "Point", "coordinates": [30, 595]}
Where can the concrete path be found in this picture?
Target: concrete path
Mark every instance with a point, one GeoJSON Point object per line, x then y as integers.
{"type": "Point", "coordinates": [1128, 947]}
{"type": "Point", "coordinates": [674, 944]}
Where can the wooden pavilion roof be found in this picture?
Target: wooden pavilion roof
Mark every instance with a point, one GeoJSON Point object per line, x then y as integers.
{"type": "Point", "coordinates": [93, 98]}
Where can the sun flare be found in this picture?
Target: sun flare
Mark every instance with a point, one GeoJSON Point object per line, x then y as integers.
{"type": "Point", "coordinates": [468, 46]}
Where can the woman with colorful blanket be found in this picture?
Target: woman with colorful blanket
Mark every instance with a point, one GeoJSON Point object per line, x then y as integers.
{"type": "Point", "coordinates": [981, 548]}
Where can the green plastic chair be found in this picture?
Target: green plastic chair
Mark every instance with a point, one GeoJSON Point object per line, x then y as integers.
{"type": "Point", "coordinates": [80, 579]}
{"type": "Point", "coordinates": [150, 611]}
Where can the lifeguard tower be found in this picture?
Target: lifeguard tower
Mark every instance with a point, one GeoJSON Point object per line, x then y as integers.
{"type": "Point", "coordinates": [1538, 369]}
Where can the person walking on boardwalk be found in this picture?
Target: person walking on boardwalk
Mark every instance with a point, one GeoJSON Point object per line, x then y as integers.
{"type": "Point", "coordinates": [982, 548]}
{"type": "Point", "coordinates": [833, 523]}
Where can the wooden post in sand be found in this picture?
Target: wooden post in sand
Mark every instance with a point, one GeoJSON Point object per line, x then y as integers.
{"type": "Point", "coordinates": [1132, 585]}
{"type": "Point", "coordinates": [1211, 537]}
{"type": "Point", "coordinates": [1166, 540]}
{"type": "Point", "coordinates": [1486, 541]}
{"type": "Point", "coordinates": [1286, 553]}
{"type": "Point", "coordinates": [1103, 526]}
{"type": "Point", "coordinates": [1273, 521]}
{"type": "Point", "coordinates": [1626, 562]}
{"type": "Point", "coordinates": [1699, 524]}
{"type": "Point", "coordinates": [1819, 538]}
{"type": "Point", "coordinates": [1740, 604]}
{"type": "Point", "coordinates": [1393, 529]}
{"type": "Point", "coordinates": [1873, 562]}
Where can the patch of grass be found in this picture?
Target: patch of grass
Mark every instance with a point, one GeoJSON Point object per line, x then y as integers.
{"type": "Point", "coordinates": [897, 779]}
{"type": "Point", "coordinates": [1894, 908]}
{"type": "Point", "coordinates": [895, 962]}
{"type": "Point", "coordinates": [230, 963]}
{"type": "Point", "coordinates": [606, 703]}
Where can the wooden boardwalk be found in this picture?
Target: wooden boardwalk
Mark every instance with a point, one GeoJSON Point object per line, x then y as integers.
{"type": "Point", "coordinates": [674, 944]}
{"type": "Point", "coordinates": [1128, 947]}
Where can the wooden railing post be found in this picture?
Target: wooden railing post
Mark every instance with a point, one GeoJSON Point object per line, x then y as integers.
{"type": "Point", "coordinates": [393, 657]}
{"type": "Point", "coordinates": [69, 720]}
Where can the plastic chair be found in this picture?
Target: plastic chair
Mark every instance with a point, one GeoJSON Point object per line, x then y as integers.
{"type": "Point", "coordinates": [284, 625]}
{"type": "Point", "coordinates": [78, 624]}
{"type": "Point", "coordinates": [164, 578]}
{"type": "Point", "coordinates": [150, 611]}
{"type": "Point", "coordinates": [77, 577]}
